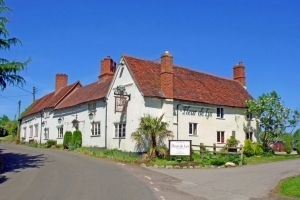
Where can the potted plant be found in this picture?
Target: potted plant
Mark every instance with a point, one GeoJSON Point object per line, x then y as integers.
{"type": "Point", "coordinates": [232, 142]}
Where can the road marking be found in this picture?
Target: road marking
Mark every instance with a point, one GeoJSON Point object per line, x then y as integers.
{"type": "Point", "coordinates": [148, 177]}
{"type": "Point", "coordinates": [156, 189]}
{"type": "Point", "coordinates": [151, 183]}
{"type": "Point", "coordinates": [162, 197]}
{"type": "Point", "coordinates": [121, 164]}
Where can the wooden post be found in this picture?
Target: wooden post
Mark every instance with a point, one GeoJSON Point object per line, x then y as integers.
{"type": "Point", "coordinates": [201, 144]}
{"type": "Point", "coordinates": [191, 151]}
{"type": "Point", "coordinates": [242, 154]}
{"type": "Point", "coordinates": [214, 148]}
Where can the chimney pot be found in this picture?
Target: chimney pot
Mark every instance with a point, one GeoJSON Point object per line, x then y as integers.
{"type": "Point", "coordinates": [61, 81]}
{"type": "Point", "coordinates": [239, 73]}
{"type": "Point", "coordinates": [166, 75]}
{"type": "Point", "coordinates": [108, 68]}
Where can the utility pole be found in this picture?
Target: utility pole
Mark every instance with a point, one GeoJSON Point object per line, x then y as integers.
{"type": "Point", "coordinates": [19, 108]}
{"type": "Point", "coordinates": [33, 93]}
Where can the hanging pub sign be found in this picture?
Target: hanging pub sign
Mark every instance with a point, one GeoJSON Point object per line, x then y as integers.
{"type": "Point", "coordinates": [120, 104]}
{"type": "Point", "coordinates": [180, 148]}
{"type": "Point", "coordinates": [121, 99]}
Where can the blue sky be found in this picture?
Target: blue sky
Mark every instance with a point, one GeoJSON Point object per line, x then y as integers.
{"type": "Point", "coordinates": [211, 36]}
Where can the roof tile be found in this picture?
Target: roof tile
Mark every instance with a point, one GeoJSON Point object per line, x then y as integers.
{"type": "Point", "coordinates": [189, 85]}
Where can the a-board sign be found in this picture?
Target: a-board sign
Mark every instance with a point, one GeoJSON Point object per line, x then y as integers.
{"type": "Point", "coordinates": [180, 147]}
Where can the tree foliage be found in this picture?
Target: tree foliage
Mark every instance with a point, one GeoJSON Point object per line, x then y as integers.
{"type": "Point", "coordinates": [151, 135]}
{"type": "Point", "coordinates": [9, 70]}
{"type": "Point", "coordinates": [273, 117]}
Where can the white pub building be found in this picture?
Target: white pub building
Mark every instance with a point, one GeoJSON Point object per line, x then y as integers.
{"type": "Point", "coordinates": [197, 106]}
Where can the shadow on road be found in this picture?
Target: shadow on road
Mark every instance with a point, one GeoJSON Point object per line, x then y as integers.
{"type": "Point", "coordinates": [16, 162]}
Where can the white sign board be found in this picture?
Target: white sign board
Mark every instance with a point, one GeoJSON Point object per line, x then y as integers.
{"type": "Point", "coordinates": [180, 147]}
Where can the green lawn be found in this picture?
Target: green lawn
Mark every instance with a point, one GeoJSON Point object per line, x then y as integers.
{"type": "Point", "coordinates": [290, 187]}
{"type": "Point", "coordinates": [6, 139]}
{"type": "Point", "coordinates": [274, 158]}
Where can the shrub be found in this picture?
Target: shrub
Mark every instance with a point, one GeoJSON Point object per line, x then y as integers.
{"type": "Point", "coordinates": [235, 158]}
{"type": "Point", "coordinates": [288, 147]}
{"type": "Point", "coordinates": [67, 139]}
{"type": "Point", "coordinates": [76, 139]}
{"type": "Point", "coordinates": [232, 142]}
{"type": "Point", "coordinates": [218, 161]}
{"type": "Point", "coordinates": [258, 149]}
{"type": "Point", "coordinates": [51, 143]}
{"type": "Point", "coordinates": [249, 148]}
{"type": "Point", "coordinates": [298, 148]}
{"type": "Point", "coordinates": [33, 143]}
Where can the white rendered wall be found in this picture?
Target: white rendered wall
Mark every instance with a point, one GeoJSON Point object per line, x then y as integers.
{"type": "Point", "coordinates": [85, 124]}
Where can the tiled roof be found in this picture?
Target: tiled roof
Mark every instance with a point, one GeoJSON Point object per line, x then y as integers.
{"type": "Point", "coordinates": [87, 93]}
{"type": "Point", "coordinates": [189, 85]}
{"type": "Point", "coordinates": [50, 100]}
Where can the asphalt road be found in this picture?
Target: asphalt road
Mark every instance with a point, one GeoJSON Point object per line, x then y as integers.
{"type": "Point", "coordinates": [241, 183]}
{"type": "Point", "coordinates": [46, 174]}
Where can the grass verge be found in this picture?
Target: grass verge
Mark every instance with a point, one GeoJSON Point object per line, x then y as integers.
{"type": "Point", "coordinates": [291, 187]}
{"type": "Point", "coordinates": [7, 139]}
{"type": "Point", "coordinates": [274, 158]}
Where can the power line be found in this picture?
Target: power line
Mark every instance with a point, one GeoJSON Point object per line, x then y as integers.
{"type": "Point", "coordinates": [19, 95]}
{"type": "Point", "coordinates": [8, 98]}
{"type": "Point", "coordinates": [23, 89]}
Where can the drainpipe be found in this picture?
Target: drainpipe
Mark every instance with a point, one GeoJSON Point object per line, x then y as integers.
{"type": "Point", "coordinates": [177, 107]}
{"type": "Point", "coordinates": [105, 100]}
{"type": "Point", "coordinates": [41, 128]}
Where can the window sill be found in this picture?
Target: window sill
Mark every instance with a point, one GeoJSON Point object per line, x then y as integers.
{"type": "Point", "coordinates": [59, 138]}
{"type": "Point", "coordinates": [193, 135]}
{"type": "Point", "coordinates": [46, 139]}
{"type": "Point", "coordinates": [119, 138]}
{"type": "Point", "coordinates": [95, 135]}
{"type": "Point", "coordinates": [219, 118]}
{"type": "Point", "coordinates": [220, 143]}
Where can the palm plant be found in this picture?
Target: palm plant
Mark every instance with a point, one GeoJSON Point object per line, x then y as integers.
{"type": "Point", "coordinates": [151, 135]}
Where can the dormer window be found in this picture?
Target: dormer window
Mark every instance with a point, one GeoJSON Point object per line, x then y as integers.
{"type": "Point", "coordinates": [220, 113]}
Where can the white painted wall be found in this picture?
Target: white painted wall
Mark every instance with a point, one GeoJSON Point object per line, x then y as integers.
{"type": "Point", "coordinates": [85, 124]}
{"type": "Point", "coordinates": [138, 106]}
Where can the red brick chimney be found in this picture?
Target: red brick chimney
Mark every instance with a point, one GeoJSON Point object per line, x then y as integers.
{"type": "Point", "coordinates": [61, 81]}
{"type": "Point", "coordinates": [166, 74]}
{"type": "Point", "coordinates": [239, 73]}
{"type": "Point", "coordinates": [108, 68]}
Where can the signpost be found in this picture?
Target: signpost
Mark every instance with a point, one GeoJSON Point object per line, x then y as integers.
{"type": "Point", "coordinates": [180, 148]}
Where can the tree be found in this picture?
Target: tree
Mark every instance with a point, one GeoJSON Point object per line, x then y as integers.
{"type": "Point", "coordinates": [151, 134]}
{"type": "Point", "coordinates": [297, 134]}
{"type": "Point", "coordinates": [9, 70]}
{"type": "Point", "coordinates": [273, 117]}
{"type": "Point", "coordinates": [3, 122]}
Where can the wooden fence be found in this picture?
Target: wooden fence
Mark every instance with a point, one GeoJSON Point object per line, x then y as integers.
{"type": "Point", "coordinates": [229, 150]}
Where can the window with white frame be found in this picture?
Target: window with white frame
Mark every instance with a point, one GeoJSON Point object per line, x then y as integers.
{"type": "Point", "coordinates": [249, 135]}
{"type": "Point", "coordinates": [46, 133]}
{"type": "Point", "coordinates": [24, 132]}
{"type": "Point", "coordinates": [95, 129]}
{"type": "Point", "coordinates": [60, 131]}
{"type": "Point", "coordinates": [36, 130]}
{"type": "Point", "coordinates": [92, 106]}
{"type": "Point", "coordinates": [31, 131]}
{"type": "Point", "coordinates": [220, 136]}
{"type": "Point", "coordinates": [220, 113]}
{"type": "Point", "coordinates": [233, 134]}
{"type": "Point", "coordinates": [249, 116]}
{"type": "Point", "coordinates": [120, 130]}
{"type": "Point", "coordinates": [46, 114]}
{"type": "Point", "coordinates": [192, 129]}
